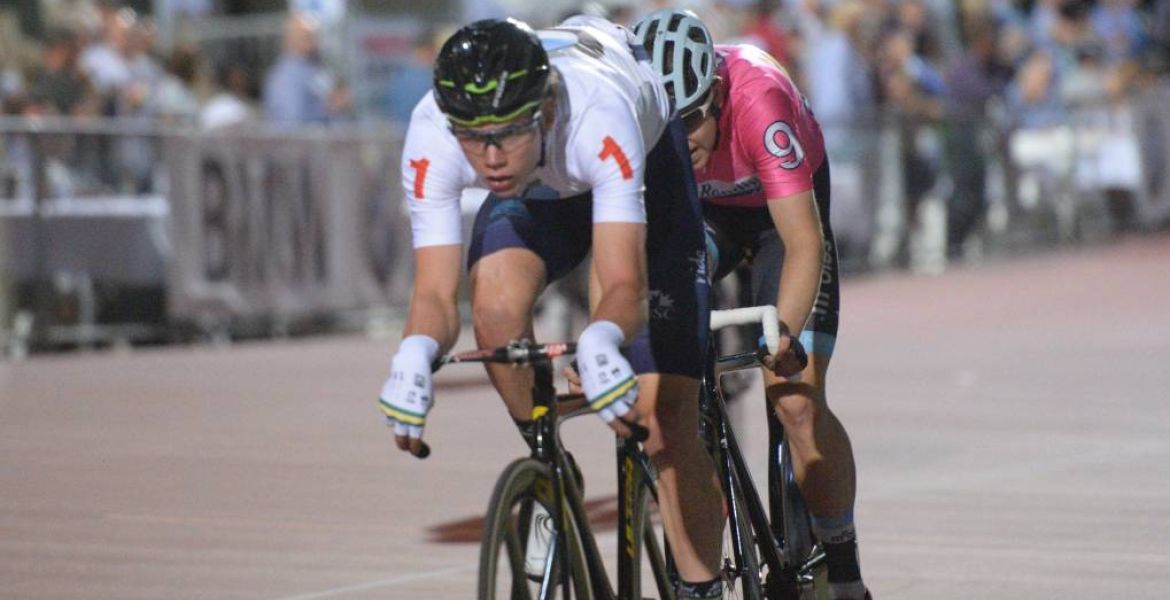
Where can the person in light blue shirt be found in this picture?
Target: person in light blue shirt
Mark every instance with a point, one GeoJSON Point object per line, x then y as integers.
{"type": "Point", "coordinates": [298, 87]}
{"type": "Point", "coordinates": [1118, 26]}
{"type": "Point", "coordinates": [412, 80]}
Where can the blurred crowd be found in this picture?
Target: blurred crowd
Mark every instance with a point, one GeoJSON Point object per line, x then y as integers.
{"type": "Point", "coordinates": [957, 81]}
{"type": "Point", "coordinates": [962, 81]}
{"type": "Point", "coordinates": [110, 64]}
{"type": "Point", "coordinates": [1033, 96]}
{"type": "Point", "coordinates": [933, 58]}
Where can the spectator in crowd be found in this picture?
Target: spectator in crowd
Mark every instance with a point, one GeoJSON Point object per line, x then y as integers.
{"type": "Point", "coordinates": [763, 30]}
{"type": "Point", "coordinates": [106, 61]}
{"type": "Point", "coordinates": [175, 101]}
{"type": "Point", "coordinates": [838, 77]}
{"type": "Point", "coordinates": [134, 98]}
{"type": "Point", "coordinates": [106, 65]}
{"type": "Point", "coordinates": [917, 22]}
{"type": "Point", "coordinates": [1043, 22]}
{"type": "Point", "coordinates": [61, 82]}
{"type": "Point", "coordinates": [1033, 98]}
{"type": "Point", "coordinates": [1118, 27]}
{"type": "Point", "coordinates": [411, 81]}
{"type": "Point", "coordinates": [971, 83]}
{"type": "Point", "coordinates": [912, 91]}
{"type": "Point", "coordinates": [839, 81]}
{"type": "Point", "coordinates": [231, 104]}
{"type": "Point", "coordinates": [145, 68]}
{"type": "Point", "coordinates": [297, 89]}
{"type": "Point", "coordinates": [1040, 146]}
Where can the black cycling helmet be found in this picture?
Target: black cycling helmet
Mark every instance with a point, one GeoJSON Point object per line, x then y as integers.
{"type": "Point", "coordinates": [491, 71]}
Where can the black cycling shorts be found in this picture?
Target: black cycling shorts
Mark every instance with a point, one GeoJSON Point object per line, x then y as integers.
{"type": "Point", "coordinates": [736, 234]}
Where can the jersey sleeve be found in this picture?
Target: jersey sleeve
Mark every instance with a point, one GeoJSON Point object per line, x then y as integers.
{"type": "Point", "coordinates": [771, 134]}
{"type": "Point", "coordinates": [432, 180]}
{"type": "Point", "coordinates": [607, 152]}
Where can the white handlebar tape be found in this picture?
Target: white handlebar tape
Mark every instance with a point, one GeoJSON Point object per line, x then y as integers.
{"type": "Point", "coordinates": [764, 315]}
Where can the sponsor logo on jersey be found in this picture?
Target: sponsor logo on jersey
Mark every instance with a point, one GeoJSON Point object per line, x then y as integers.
{"type": "Point", "coordinates": [727, 189]}
{"type": "Point", "coordinates": [661, 305]}
{"type": "Point", "coordinates": [699, 259]}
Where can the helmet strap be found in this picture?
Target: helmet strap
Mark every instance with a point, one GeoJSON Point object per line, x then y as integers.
{"type": "Point", "coordinates": [716, 112]}
{"type": "Point", "coordinates": [549, 94]}
{"type": "Point", "coordinates": [543, 139]}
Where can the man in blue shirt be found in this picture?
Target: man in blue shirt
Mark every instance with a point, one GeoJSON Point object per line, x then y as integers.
{"type": "Point", "coordinates": [298, 87]}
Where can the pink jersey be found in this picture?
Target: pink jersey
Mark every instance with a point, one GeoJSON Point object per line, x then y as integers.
{"type": "Point", "coordinates": [769, 142]}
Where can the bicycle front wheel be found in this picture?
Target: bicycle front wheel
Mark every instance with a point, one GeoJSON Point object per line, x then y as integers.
{"type": "Point", "coordinates": [510, 566]}
{"type": "Point", "coordinates": [643, 545]}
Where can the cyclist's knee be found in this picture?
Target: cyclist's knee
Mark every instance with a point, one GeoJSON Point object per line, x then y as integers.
{"type": "Point", "coordinates": [498, 321]}
{"type": "Point", "coordinates": [797, 408]}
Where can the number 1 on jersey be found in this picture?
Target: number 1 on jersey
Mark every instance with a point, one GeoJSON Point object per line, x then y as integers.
{"type": "Point", "coordinates": [609, 148]}
{"type": "Point", "coordinates": [420, 175]}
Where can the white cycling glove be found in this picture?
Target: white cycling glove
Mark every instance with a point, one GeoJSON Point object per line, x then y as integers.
{"type": "Point", "coordinates": [407, 395]}
{"type": "Point", "coordinates": [606, 375]}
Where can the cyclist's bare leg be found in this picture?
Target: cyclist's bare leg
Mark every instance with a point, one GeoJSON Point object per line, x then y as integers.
{"type": "Point", "coordinates": [694, 527]}
{"type": "Point", "coordinates": [504, 287]}
{"type": "Point", "coordinates": [822, 456]}
{"type": "Point", "coordinates": [689, 496]}
{"type": "Point", "coordinates": [822, 462]}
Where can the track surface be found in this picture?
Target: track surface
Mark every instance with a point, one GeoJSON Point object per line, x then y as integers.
{"type": "Point", "coordinates": [1010, 423]}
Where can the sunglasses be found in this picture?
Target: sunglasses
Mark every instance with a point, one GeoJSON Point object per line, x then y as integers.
{"type": "Point", "coordinates": [507, 138]}
{"type": "Point", "coordinates": [693, 119]}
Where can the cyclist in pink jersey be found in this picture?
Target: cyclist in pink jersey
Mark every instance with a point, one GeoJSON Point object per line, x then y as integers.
{"type": "Point", "coordinates": [763, 178]}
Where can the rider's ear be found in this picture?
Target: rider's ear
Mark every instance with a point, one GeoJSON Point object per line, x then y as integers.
{"type": "Point", "coordinates": [717, 89]}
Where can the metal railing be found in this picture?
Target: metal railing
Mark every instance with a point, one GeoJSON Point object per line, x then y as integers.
{"type": "Point", "coordinates": [122, 230]}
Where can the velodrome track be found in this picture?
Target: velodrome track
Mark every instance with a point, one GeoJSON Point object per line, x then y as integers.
{"type": "Point", "coordinates": [1011, 424]}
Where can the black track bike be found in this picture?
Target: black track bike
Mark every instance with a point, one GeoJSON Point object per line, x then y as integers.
{"type": "Point", "coordinates": [573, 567]}
{"type": "Point", "coordinates": [768, 552]}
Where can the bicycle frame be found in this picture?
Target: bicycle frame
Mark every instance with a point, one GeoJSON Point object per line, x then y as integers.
{"type": "Point", "coordinates": [634, 469]}
{"type": "Point", "coordinates": [735, 475]}
{"type": "Point", "coordinates": [785, 570]}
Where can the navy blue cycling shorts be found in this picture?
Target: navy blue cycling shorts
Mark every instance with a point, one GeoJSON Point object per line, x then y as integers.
{"type": "Point", "coordinates": [560, 232]}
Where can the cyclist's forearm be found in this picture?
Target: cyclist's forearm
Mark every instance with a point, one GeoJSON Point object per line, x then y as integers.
{"type": "Point", "coordinates": [435, 317]}
{"type": "Point", "coordinates": [800, 280]}
{"type": "Point", "coordinates": [799, 227]}
{"type": "Point", "coordinates": [624, 305]}
{"type": "Point", "coordinates": [433, 303]}
{"type": "Point", "coordinates": [619, 265]}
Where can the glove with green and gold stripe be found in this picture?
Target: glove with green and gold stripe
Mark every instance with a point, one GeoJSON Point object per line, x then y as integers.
{"type": "Point", "coordinates": [606, 376]}
{"type": "Point", "coordinates": [407, 396]}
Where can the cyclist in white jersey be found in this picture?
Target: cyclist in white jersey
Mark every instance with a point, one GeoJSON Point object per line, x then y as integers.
{"type": "Point", "coordinates": [573, 136]}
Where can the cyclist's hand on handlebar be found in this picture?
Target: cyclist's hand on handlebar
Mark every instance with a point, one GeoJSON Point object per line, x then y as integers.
{"type": "Point", "coordinates": [627, 426]}
{"type": "Point", "coordinates": [407, 395]}
{"type": "Point", "coordinates": [789, 360]}
{"type": "Point", "coordinates": [606, 376]}
{"type": "Point", "coordinates": [574, 379]}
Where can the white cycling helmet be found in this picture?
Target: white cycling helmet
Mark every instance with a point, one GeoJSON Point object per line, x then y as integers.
{"type": "Point", "coordinates": [682, 53]}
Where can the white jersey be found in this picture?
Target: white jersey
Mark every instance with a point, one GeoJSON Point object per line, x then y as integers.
{"type": "Point", "coordinates": [611, 110]}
